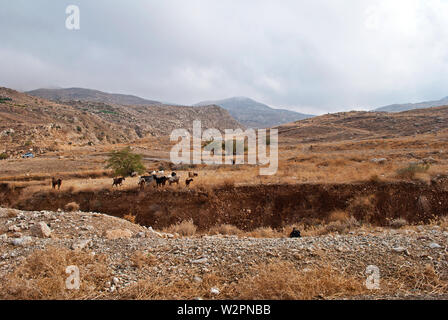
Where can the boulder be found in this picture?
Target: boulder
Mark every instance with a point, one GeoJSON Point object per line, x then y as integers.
{"type": "Point", "coordinates": [41, 230]}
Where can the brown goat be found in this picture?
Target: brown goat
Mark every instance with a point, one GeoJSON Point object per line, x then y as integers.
{"type": "Point", "coordinates": [118, 182]}
{"type": "Point", "coordinates": [56, 182]}
{"type": "Point", "coordinates": [192, 174]}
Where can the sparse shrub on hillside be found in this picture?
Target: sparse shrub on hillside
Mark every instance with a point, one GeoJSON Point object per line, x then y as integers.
{"type": "Point", "coordinates": [338, 215]}
{"type": "Point", "coordinates": [225, 229]}
{"type": "Point", "coordinates": [129, 217]}
{"type": "Point", "coordinates": [340, 226]}
{"type": "Point", "coordinates": [184, 228]}
{"type": "Point", "coordinates": [143, 259]}
{"type": "Point", "coordinates": [398, 223]}
{"type": "Point", "coordinates": [265, 232]}
{"type": "Point", "coordinates": [124, 162]}
{"type": "Point", "coordinates": [282, 281]}
{"type": "Point", "coordinates": [42, 275]}
{"type": "Point", "coordinates": [72, 206]}
{"type": "Point", "coordinates": [410, 171]}
{"type": "Point", "coordinates": [228, 183]}
{"type": "Point", "coordinates": [3, 156]}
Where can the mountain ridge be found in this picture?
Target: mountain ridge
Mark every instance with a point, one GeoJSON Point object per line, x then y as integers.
{"type": "Point", "coordinates": [252, 113]}
{"type": "Point", "coordinates": [91, 95]}
{"type": "Point", "coordinates": [399, 107]}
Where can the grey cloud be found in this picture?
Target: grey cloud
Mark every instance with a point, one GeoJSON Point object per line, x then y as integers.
{"type": "Point", "coordinates": [311, 56]}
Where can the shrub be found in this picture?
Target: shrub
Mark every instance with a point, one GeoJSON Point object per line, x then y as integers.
{"type": "Point", "coordinates": [398, 223]}
{"type": "Point", "coordinates": [72, 206]}
{"type": "Point", "coordinates": [225, 229]}
{"type": "Point", "coordinates": [410, 171]}
{"type": "Point", "coordinates": [339, 215]}
{"type": "Point", "coordinates": [124, 162]}
{"type": "Point", "coordinates": [129, 217]}
{"type": "Point", "coordinates": [185, 228]}
{"type": "Point", "coordinates": [3, 156]}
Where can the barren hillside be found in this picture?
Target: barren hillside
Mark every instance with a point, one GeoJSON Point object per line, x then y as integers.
{"type": "Point", "coordinates": [358, 125]}
{"type": "Point", "coordinates": [159, 120]}
{"type": "Point", "coordinates": [28, 122]}
{"type": "Point", "coordinates": [80, 94]}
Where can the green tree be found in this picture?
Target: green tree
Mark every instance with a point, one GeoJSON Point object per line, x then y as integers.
{"type": "Point", "coordinates": [124, 162]}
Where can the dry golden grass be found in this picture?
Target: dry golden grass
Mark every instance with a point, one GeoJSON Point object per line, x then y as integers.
{"type": "Point", "coordinates": [130, 217]}
{"type": "Point", "coordinates": [72, 206]}
{"type": "Point", "coordinates": [283, 281]}
{"type": "Point", "coordinates": [338, 215]}
{"type": "Point", "coordinates": [141, 259]}
{"type": "Point", "coordinates": [225, 229]}
{"type": "Point", "coordinates": [274, 281]}
{"type": "Point", "coordinates": [42, 275]}
{"type": "Point", "coordinates": [184, 228]}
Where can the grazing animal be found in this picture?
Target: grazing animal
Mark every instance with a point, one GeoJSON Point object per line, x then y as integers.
{"type": "Point", "coordinates": [295, 233]}
{"type": "Point", "coordinates": [146, 180]}
{"type": "Point", "coordinates": [160, 181]}
{"type": "Point", "coordinates": [118, 182]}
{"type": "Point", "coordinates": [141, 184]}
{"type": "Point", "coordinates": [192, 174]}
{"type": "Point", "coordinates": [56, 182]}
{"type": "Point", "coordinates": [173, 179]}
{"type": "Point", "coordinates": [188, 181]}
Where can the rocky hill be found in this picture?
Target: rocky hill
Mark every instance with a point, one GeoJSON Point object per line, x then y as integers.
{"type": "Point", "coordinates": [366, 125]}
{"type": "Point", "coordinates": [81, 94]}
{"type": "Point", "coordinates": [159, 120]}
{"type": "Point", "coordinates": [33, 123]}
{"type": "Point", "coordinates": [28, 122]}
{"type": "Point", "coordinates": [254, 114]}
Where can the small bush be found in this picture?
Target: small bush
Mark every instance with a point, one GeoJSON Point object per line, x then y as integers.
{"type": "Point", "coordinates": [129, 217]}
{"type": "Point", "coordinates": [398, 223]}
{"type": "Point", "coordinates": [265, 232]}
{"type": "Point", "coordinates": [72, 206]}
{"type": "Point", "coordinates": [225, 229]}
{"type": "Point", "coordinates": [185, 228]}
{"type": "Point", "coordinates": [339, 215]}
{"type": "Point", "coordinates": [3, 156]}
{"type": "Point", "coordinates": [410, 171]}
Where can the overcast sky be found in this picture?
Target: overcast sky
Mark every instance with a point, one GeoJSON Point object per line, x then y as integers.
{"type": "Point", "coordinates": [310, 56]}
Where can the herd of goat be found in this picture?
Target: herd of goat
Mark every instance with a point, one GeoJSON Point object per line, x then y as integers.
{"type": "Point", "coordinates": [157, 179]}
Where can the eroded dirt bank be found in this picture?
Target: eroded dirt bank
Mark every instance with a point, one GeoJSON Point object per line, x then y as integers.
{"type": "Point", "coordinates": [250, 207]}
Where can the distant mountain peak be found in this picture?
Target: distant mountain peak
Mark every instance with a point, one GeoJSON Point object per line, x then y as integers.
{"type": "Point", "coordinates": [412, 106]}
{"type": "Point", "coordinates": [255, 114]}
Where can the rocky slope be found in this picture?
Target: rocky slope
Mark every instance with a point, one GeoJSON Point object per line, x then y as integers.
{"type": "Point", "coordinates": [34, 123]}
{"type": "Point", "coordinates": [81, 94]}
{"type": "Point", "coordinates": [412, 262]}
{"type": "Point", "coordinates": [367, 125]}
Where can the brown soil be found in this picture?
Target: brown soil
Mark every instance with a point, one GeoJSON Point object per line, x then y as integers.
{"type": "Point", "coordinates": [250, 207]}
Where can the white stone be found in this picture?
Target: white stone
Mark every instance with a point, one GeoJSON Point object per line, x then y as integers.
{"type": "Point", "coordinates": [435, 246]}
{"type": "Point", "coordinates": [215, 291]}
{"type": "Point", "coordinates": [41, 230]}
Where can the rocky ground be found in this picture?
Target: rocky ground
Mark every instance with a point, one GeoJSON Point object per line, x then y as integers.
{"type": "Point", "coordinates": [412, 262]}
